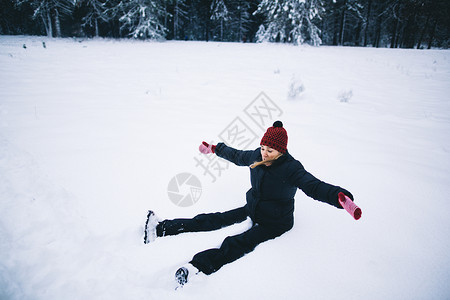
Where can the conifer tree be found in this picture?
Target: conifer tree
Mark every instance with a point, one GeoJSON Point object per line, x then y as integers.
{"type": "Point", "coordinates": [290, 21]}
{"type": "Point", "coordinates": [141, 19]}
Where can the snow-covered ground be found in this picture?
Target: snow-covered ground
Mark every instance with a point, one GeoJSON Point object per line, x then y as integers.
{"type": "Point", "coordinates": [93, 131]}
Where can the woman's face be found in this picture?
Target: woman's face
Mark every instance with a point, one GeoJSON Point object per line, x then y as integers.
{"type": "Point", "coordinates": [268, 153]}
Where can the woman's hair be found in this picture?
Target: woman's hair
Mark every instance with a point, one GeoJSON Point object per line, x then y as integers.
{"type": "Point", "coordinates": [258, 163]}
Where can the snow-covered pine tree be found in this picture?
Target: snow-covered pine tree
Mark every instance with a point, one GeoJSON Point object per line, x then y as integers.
{"type": "Point", "coordinates": [95, 11]}
{"type": "Point", "coordinates": [179, 17]}
{"type": "Point", "coordinates": [219, 12]}
{"type": "Point", "coordinates": [304, 28]}
{"type": "Point", "coordinates": [194, 26]}
{"type": "Point", "coordinates": [48, 9]}
{"type": "Point", "coordinates": [290, 21]}
{"type": "Point", "coordinates": [240, 19]}
{"type": "Point", "coordinates": [232, 19]}
{"type": "Point", "coordinates": [277, 18]}
{"type": "Point", "coordinates": [142, 19]}
{"type": "Point", "coordinates": [348, 7]}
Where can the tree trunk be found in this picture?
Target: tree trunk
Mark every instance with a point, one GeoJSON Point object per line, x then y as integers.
{"type": "Point", "coordinates": [45, 25]}
{"type": "Point", "coordinates": [323, 29]}
{"type": "Point", "coordinates": [378, 32]}
{"type": "Point", "coordinates": [48, 24]}
{"type": "Point", "coordinates": [422, 34]}
{"type": "Point", "coordinates": [401, 36]}
{"type": "Point", "coordinates": [342, 23]}
{"type": "Point", "coordinates": [369, 10]}
{"type": "Point", "coordinates": [394, 33]}
{"type": "Point", "coordinates": [221, 30]}
{"type": "Point", "coordinates": [239, 38]}
{"type": "Point", "coordinates": [207, 27]}
{"type": "Point", "coordinates": [175, 21]}
{"type": "Point", "coordinates": [335, 29]}
{"type": "Point", "coordinates": [358, 33]}
{"type": "Point", "coordinates": [408, 34]}
{"type": "Point", "coordinates": [395, 30]}
{"type": "Point", "coordinates": [57, 23]}
{"type": "Point", "coordinates": [433, 31]}
{"type": "Point", "coordinates": [397, 38]}
{"type": "Point", "coordinates": [96, 28]}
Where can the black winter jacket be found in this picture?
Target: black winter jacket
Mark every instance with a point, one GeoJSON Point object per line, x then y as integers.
{"type": "Point", "coordinates": [270, 200]}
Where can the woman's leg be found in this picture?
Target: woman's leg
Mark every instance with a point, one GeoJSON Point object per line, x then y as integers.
{"type": "Point", "coordinates": [234, 247]}
{"type": "Point", "coordinates": [202, 222]}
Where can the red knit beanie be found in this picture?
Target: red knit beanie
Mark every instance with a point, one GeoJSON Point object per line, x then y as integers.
{"type": "Point", "coordinates": [276, 137]}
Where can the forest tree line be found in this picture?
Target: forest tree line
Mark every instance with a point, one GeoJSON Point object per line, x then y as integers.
{"type": "Point", "coordinates": [376, 23]}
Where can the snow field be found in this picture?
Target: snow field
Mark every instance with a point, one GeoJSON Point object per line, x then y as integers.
{"type": "Point", "coordinates": [92, 131]}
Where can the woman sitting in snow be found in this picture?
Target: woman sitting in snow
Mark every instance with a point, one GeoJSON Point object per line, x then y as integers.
{"type": "Point", "coordinates": [275, 176]}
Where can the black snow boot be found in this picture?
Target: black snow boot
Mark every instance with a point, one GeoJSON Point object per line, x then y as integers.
{"type": "Point", "coordinates": [150, 227]}
{"type": "Point", "coordinates": [185, 274]}
{"type": "Point", "coordinates": [181, 276]}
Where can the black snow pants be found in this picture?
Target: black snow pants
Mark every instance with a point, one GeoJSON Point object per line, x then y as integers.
{"type": "Point", "coordinates": [232, 248]}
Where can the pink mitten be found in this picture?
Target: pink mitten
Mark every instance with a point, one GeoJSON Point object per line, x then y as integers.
{"type": "Point", "coordinates": [206, 148]}
{"type": "Point", "coordinates": [350, 206]}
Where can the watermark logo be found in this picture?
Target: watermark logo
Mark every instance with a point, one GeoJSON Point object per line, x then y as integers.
{"type": "Point", "coordinates": [263, 111]}
{"type": "Point", "coordinates": [242, 133]}
{"type": "Point", "coordinates": [184, 189]}
{"type": "Point", "coordinates": [211, 165]}
{"type": "Point", "coordinates": [238, 134]}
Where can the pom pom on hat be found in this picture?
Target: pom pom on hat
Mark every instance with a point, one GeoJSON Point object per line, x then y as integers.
{"type": "Point", "coordinates": [276, 137]}
{"type": "Point", "coordinates": [278, 124]}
